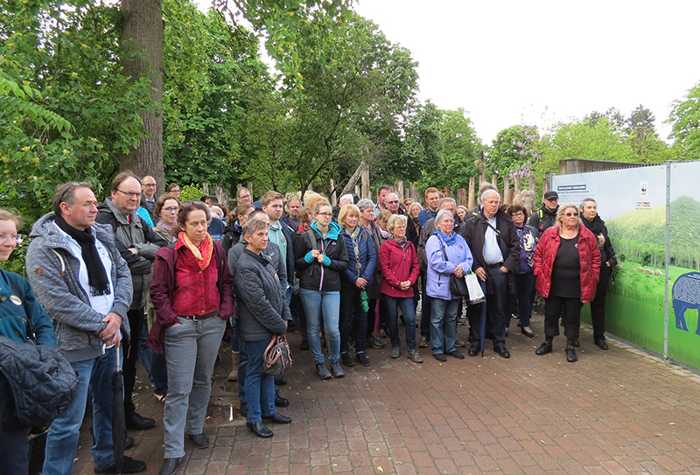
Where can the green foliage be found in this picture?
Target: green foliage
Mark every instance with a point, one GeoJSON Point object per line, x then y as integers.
{"type": "Point", "coordinates": [685, 120]}
{"type": "Point", "coordinates": [514, 149]}
{"type": "Point", "coordinates": [190, 193]}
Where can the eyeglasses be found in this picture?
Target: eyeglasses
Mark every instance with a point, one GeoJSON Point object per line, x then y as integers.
{"type": "Point", "coordinates": [325, 214]}
{"type": "Point", "coordinates": [393, 202]}
{"type": "Point", "coordinates": [149, 184]}
{"type": "Point", "coordinates": [171, 208]}
{"type": "Point", "coordinates": [131, 194]}
{"type": "Point", "coordinates": [11, 238]}
{"type": "Point", "coordinates": [571, 214]}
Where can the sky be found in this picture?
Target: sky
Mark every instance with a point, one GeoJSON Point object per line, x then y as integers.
{"type": "Point", "coordinates": [540, 62]}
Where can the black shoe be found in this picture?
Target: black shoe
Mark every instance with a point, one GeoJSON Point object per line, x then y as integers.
{"type": "Point", "coordinates": [602, 344]}
{"type": "Point", "coordinates": [577, 343]}
{"type": "Point", "coordinates": [362, 359]}
{"type": "Point", "coordinates": [199, 440]}
{"type": "Point", "coordinates": [502, 351]}
{"type": "Point", "coordinates": [278, 419]}
{"type": "Point", "coordinates": [281, 401]}
{"type": "Point", "coordinates": [280, 380]}
{"type": "Point", "coordinates": [129, 465]}
{"type": "Point", "coordinates": [457, 354]}
{"type": "Point", "coordinates": [169, 466]}
{"type": "Point", "coordinates": [323, 372]}
{"type": "Point", "coordinates": [260, 429]}
{"type": "Point", "coordinates": [135, 421]}
{"type": "Point", "coordinates": [544, 348]}
{"type": "Point", "coordinates": [347, 360]}
{"type": "Point", "coordinates": [129, 442]}
{"type": "Point", "coordinates": [527, 331]}
{"type": "Point", "coordinates": [473, 350]}
{"type": "Point", "coordinates": [440, 357]}
{"type": "Point", "coordinates": [337, 370]}
{"type": "Point", "coordinates": [571, 354]}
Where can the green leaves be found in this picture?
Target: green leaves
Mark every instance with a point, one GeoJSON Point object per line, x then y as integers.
{"type": "Point", "coordinates": [685, 120]}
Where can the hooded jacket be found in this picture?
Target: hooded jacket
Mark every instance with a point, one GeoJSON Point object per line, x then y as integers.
{"type": "Point", "coordinates": [131, 232]}
{"type": "Point", "coordinates": [53, 272]}
{"type": "Point", "coordinates": [399, 264]}
{"type": "Point", "coordinates": [589, 257]}
{"type": "Point", "coordinates": [325, 277]}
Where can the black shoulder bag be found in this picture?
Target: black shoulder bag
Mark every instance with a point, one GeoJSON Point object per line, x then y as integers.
{"type": "Point", "coordinates": [458, 286]}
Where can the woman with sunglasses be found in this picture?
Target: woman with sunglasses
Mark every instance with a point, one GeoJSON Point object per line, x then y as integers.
{"type": "Point", "coordinates": [566, 266]}
{"type": "Point", "coordinates": [18, 307]}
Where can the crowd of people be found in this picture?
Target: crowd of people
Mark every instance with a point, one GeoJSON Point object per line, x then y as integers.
{"type": "Point", "coordinates": [167, 281]}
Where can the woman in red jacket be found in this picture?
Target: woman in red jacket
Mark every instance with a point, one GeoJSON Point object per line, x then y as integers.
{"type": "Point", "coordinates": [192, 294]}
{"type": "Point", "coordinates": [567, 265]}
{"type": "Point", "coordinates": [400, 270]}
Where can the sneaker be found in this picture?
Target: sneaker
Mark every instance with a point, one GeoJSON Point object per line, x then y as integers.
{"type": "Point", "coordinates": [323, 372]}
{"type": "Point", "coordinates": [347, 360]}
{"type": "Point", "coordinates": [424, 343]}
{"type": "Point", "coordinates": [395, 352]}
{"type": "Point", "coordinates": [201, 441]}
{"type": "Point", "coordinates": [362, 358]}
{"type": "Point", "coordinates": [415, 356]}
{"type": "Point", "coordinates": [440, 357]}
{"type": "Point", "coordinates": [337, 370]}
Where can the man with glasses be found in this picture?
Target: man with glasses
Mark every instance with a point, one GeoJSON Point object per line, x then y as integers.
{"type": "Point", "coordinates": [138, 244]}
{"type": "Point", "coordinates": [149, 198]}
{"type": "Point", "coordinates": [393, 203]}
{"type": "Point", "coordinates": [546, 216]}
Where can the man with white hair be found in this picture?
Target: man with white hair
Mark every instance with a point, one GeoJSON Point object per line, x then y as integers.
{"type": "Point", "coordinates": [495, 247]}
{"type": "Point", "coordinates": [393, 203]}
{"type": "Point", "coordinates": [346, 199]}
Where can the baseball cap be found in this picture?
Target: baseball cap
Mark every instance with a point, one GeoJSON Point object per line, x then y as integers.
{"type": "Point", "coordinates": [551, 195]}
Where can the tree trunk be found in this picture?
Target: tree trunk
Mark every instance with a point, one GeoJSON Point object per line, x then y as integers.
{"type": "Point", "coordinates": [142, 44]}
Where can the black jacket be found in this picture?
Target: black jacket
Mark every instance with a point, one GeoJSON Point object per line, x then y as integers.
{"type": "Point", "coordinates": [607, 252]}
{"type": "Point", "coordinates": [289, 234]}
{"type": "Point", "coordinates": [474, 231]}
{"type": "Point", "coordinates": [542, 219]}
{"type": "Point", "coordinates": [262, 303]}
{"type": "Point", "coordinates": [316, 276]}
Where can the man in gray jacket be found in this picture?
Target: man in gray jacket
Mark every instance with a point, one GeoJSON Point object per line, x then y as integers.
{"type": "Point", "coordinates": [138, 245]}
{"type": "Point", "coordinates": [84, 284]}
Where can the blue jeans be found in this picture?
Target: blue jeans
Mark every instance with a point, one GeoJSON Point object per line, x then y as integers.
{"type": "Point", "coordinates": [259, 387]}
{"type": "Point", "coordinates": [314, 302]}
{"type": "Point", "coordinates": [408, 309]}
{"type": "Point", "coordinates": [94, 375]}
{"type": "Point", "coordinates": [443, 314]}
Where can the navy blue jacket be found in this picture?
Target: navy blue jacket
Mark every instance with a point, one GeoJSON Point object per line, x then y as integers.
{"type": "Point", "coordinates": [368, 257]}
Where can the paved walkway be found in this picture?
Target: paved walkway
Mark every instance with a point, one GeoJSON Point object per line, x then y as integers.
{"type": "Point", "coordinates": [611, 413]}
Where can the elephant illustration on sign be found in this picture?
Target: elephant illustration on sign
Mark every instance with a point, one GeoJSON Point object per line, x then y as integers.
{"type": "Point", "coordinates": [686, 296]}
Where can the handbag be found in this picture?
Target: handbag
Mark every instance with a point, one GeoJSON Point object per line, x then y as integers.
{"type": "Point", "coordinates": [277, 356]}
{"type": "Point", "coordinates": [458, 286]}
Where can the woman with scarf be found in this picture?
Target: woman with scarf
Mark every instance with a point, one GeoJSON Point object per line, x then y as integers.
{"type": "Point", "coordinates": [193, 296]}
{"type": "Point", "coordinates": [166, 211]}
{"type": "Point", "coordinates": [354, 303]}
{"type": "Point", "coordinates": [447, 254]}
{"type": "Point", "coordinates": [523, 278]}
{"type": "Point", "coordinates": [399, 261]}
{"type": "Point", "coordinates": [608, 261]}
{"type": "Point", "coordinates": [321, 258]}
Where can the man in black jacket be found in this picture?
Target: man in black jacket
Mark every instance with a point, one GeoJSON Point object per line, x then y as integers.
{"type": "Point", "coordinates": [495, 247]}
{"type": "Point", "coordinates": [546, 216]}
{"type": "Point", "coordinates": [137, 244]}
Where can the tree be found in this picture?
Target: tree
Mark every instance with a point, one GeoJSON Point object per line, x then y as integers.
{"type": "Point", "coordinates": [685, 121]}
{"type": "Point", "coordinates": [642, 136]}
{"type": "Point", "coordinates": [514, 148]}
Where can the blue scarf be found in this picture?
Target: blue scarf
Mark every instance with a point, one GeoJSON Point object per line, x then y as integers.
{"type": "Point", "coordinates": [447, 239]}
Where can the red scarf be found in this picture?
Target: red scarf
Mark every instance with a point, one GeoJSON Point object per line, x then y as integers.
{"type": "Point", "coordinates": [201, 253]}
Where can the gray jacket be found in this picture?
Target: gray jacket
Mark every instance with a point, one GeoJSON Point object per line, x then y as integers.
{"type": "Point", "coordinates": [262, 303]}
{"type": "Point", "coordinates": [135, 235]}
{"type": "Point", "coordinates": [272, 252]}
{"type": "Point", "coordinates": [52, 271]}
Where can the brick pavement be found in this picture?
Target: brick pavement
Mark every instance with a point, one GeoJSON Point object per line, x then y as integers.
{"type": "Point", "coordinates": [612, 412]}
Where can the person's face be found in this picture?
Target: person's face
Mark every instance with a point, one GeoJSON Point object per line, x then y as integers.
{"type": "Point", "coordinates": [551, 203]}
{"type": "Point", "coordinates": [351, 220]}
{"type": "Point", "coordinates": [461, 212]}
{"type": "Point", "coordinates": [196, 225]}
{"type": "Point", "coordinates": [168, 213]}
{"type": "Point", "coordinates": [258, 240]}
{"type": "Point", "coordinates": [243, 218]}
{"type": "Point", "coordinates": [127, 196]}
{"type": "Point", "coordinates": [446, 224]}
{"type": "Point", "coordinates": [244, 197]}
{"type": "Point", "coordinates": [570, 217]}
{"type": "Point", "coordinates": [382, 196]}
{"type": "Point", "coordinates": [414, 212]}
{"type": "Point", "coordinates": [149, 186]}
{"type": "Point", "coordinates": [83, 212]}
{"type": "Point", "coordinates": [518, 218]}
{"type": "Point", "coordinates": [293, 208]}
{"type": "Point", "coordinates": [392, 202]}
{"type": "Point", "coordinates": [399, 231]}
{"type": "Point", "coordinates": [175, 191]}
{"type": "Point", "coordinates": [8, 239]}
{"type": "Point", "coordinates": [274, 209]}
{"type": "Point", "coordinates": [432, 200]}
{"type": "Point", "coordinates": [450, 206]}
{"type": "Point", "coordinates": [324, 215]}
{"type": "Point", "coordinates": [367, 215]}
{"type": "Point", "coordinates": [491, 204]}
{"type": "Point", "coordinates": [590, 210]}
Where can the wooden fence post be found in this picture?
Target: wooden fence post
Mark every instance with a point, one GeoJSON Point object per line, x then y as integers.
{"type": "Point", "coordinates": [334, 195]}
{"type": "Point", "coordinates": [365, 182]}
{"type": "Point", "coordinates": [471, 202]}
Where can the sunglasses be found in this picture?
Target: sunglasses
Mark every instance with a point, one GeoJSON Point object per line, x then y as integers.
{"type": "Point", "coordinates": [571, 214]}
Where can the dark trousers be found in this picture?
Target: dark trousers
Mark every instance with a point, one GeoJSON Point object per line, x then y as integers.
{"type": "Point", "coordinates": [353, 320]}
{"type": "Point", "coordinates": [569, 309]}
{"type": "Point", "coordinates": [598, 304]}
{"type": "Point", "coordinates": [297, 310]}
{"type": "Point", "coordinates": [524, 285]}
{"type": "Point", "coordinates": [131, 353]}
{"type": "Point", "coordinates": [14, 452]}
{"type": "Point", "coordinates": [425, 310]}
{"type": "Point", "coordinates": [497, 308]}
{"type": "Point", "coordinates": [408, 310]}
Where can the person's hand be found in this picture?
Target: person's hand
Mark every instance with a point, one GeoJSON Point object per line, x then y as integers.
{"type": "Point", "coordinates": [601, 240]}
{"type": "Point", "coordinates": [116, 341]}
{"type": "Point", "coordinates": [405, 285]}
{"type": "Point", "coordinates": [504, 269]}
{"type": "Point", "coordinates": [114, 322]}
{"type": "Point", "coordinates": [481, 273]}
{"type": "Point", "coordinates": [607, 263]}
{"type": "Point", "coordinates": [133, 250]}
{"type": "Point", "coordinates": [315, 253]}
{"type": "Point", "coordinates": [320, 257]}
{"type": "Point", "coordinates": [361, 283]}
{"type": "Point", "coordinates": [459, 272]}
